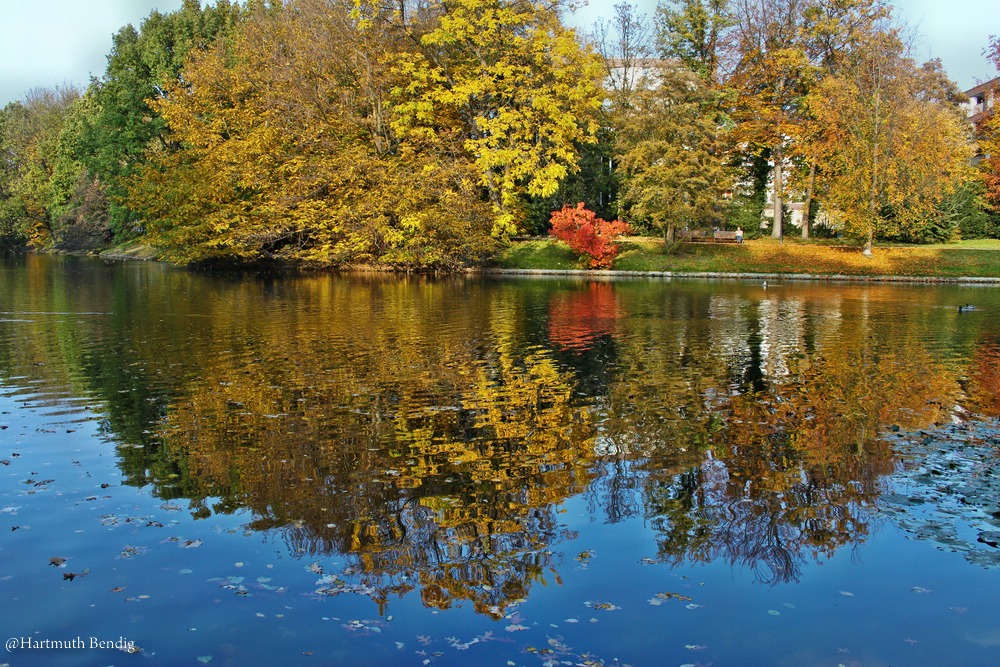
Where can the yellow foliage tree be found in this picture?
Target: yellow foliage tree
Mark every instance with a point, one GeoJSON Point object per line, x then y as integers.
{"type": "Point", "coordinates": [282, 149]}
{"type": "Point", "coordinates": [514, 85]}
{"type": "Point", "coordinates": [891, 147]}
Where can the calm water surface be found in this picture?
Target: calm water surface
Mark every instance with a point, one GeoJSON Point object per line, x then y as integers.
{"type": "Point", "coordinates": [251, 469]}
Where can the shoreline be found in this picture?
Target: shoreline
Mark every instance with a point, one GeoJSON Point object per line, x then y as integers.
{"type": "Point", "coordinates": [143, 254]}
{"type": "Point", "coordinates": [723, 275]}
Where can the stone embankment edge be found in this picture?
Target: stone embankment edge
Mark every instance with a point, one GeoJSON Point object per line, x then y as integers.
{"type": "Point", "coordinates": [825, 277]}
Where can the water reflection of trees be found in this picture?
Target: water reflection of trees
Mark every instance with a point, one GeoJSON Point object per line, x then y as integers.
{"type": "Point", "coordinates": [430, 429]}
{"type": "Point", "coordinates": [759, 439]}
{"type": "Point", "coordinates": [432, 463]}
{"type": "Point", "coordinates": [983, 384]}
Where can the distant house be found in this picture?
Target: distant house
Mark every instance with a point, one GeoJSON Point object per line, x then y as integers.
{"type": "Point", "coordinates": [980, 108]}
{"type": "Point", "coordinates": [634, 73]}
{"type": "Point", "coordinates": [981, 102]}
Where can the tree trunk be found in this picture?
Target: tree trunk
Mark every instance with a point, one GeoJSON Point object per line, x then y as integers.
{"type": "Point", "coordinates": [809, 200]}
{"type": "Point", "coordinates": [778, 204]}
{"type": "Point", "coordinates": [873, 195]}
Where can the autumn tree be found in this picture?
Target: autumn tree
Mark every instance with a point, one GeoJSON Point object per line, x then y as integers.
{"type": "Point", "coordinates": [832, 31]}
{"type": "Point", "coordinates": [672, 153]}
{"type": "Point", "coordinates": [990, 142]}
{"type": "Point", "coordinates": [770, 79]}
{"type": "Point", "coordinates": [893, 146]}
{"type": "Point", "coordinates": [37, 174]}
{"type": "Point", "coordinates": [588, 235]}
{"type": "Point", "coordinates": [515, 85]}
{"type": "Point", "coordinates": [288, 151]}
{"type": "Point", "coordinates": [780, 50]}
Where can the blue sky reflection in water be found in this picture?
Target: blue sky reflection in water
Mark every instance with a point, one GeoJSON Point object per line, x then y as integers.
{"type": "Point", "coordinates": [311, 470]}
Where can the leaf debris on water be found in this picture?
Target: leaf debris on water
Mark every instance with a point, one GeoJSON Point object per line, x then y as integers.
{"type": "Point", "coordinates": [602, 606]}
{"type": "Point", "coordinates": [660, 598]}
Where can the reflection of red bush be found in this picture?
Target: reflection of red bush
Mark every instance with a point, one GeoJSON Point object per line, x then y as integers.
{"type": "Point", "coordinates": [588, 235]}
{"type": "Point", "coordinates": [578, 318]}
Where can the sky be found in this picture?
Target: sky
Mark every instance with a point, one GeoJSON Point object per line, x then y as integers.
{"type": "Point", "coordinates": [49, 43]}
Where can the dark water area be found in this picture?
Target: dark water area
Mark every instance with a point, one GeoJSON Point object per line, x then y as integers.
{"type": "Point", "coordinates": [244, 469]}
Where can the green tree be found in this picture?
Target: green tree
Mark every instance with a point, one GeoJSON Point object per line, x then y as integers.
{"type": "Point", "coordinates": [695, 33]}
{"type": "Point", "coordinates": [141, 65]}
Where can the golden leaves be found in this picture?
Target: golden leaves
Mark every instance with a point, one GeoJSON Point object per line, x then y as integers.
{"type": "Point", "coordinates": [523, 91]}
{"type": "Point", "coordinates": [286, 147]}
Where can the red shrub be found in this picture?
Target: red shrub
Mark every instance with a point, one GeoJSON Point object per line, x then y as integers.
{"type": "Point", "coordinates": [588, 235]}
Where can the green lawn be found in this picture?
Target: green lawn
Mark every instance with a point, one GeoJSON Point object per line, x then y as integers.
{"type": "Point", "coordinates": [977, 258]}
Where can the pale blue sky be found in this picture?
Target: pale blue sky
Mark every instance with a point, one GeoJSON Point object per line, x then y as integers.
{"type": "Point", "coordinates": [46, 43]}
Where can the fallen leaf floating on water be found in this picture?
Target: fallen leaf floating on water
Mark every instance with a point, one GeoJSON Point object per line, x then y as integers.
{"type": "Point", "coordinates": [70, 576]}
{"type": "Point", "coordinates": [921, 589]}
{"type": "Point", "coordinates": [603, 606]}
{"type": "Point", "coordinates": [129, 551]}
{"type": "Point", "coordinates": [660, 598]}
{"type": "Point", "coordinates": [57, 561]}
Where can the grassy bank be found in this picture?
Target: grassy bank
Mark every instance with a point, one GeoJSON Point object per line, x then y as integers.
{"type": "Point", "coordinates": [131, 250]}
{"type": "Point", "coordinates": [979, 258]}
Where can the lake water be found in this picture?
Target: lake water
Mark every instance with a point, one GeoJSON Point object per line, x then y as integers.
{"type": "Point", "coordinates": [251, 469]}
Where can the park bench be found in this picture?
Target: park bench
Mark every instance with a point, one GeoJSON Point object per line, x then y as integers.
{"type": "Point", "coordinates": [692, 235]}
{"type": "Point", "coordinates": [721, 236]}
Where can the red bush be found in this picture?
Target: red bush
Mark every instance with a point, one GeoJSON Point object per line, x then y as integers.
{"type": "Point", "coordinates": [588, 235]}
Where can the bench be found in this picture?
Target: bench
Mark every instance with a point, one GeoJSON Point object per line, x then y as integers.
{"type": "Point", "coordinates": [721, 236]}
{"type": "Point", "coordinates": [692, 235]}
